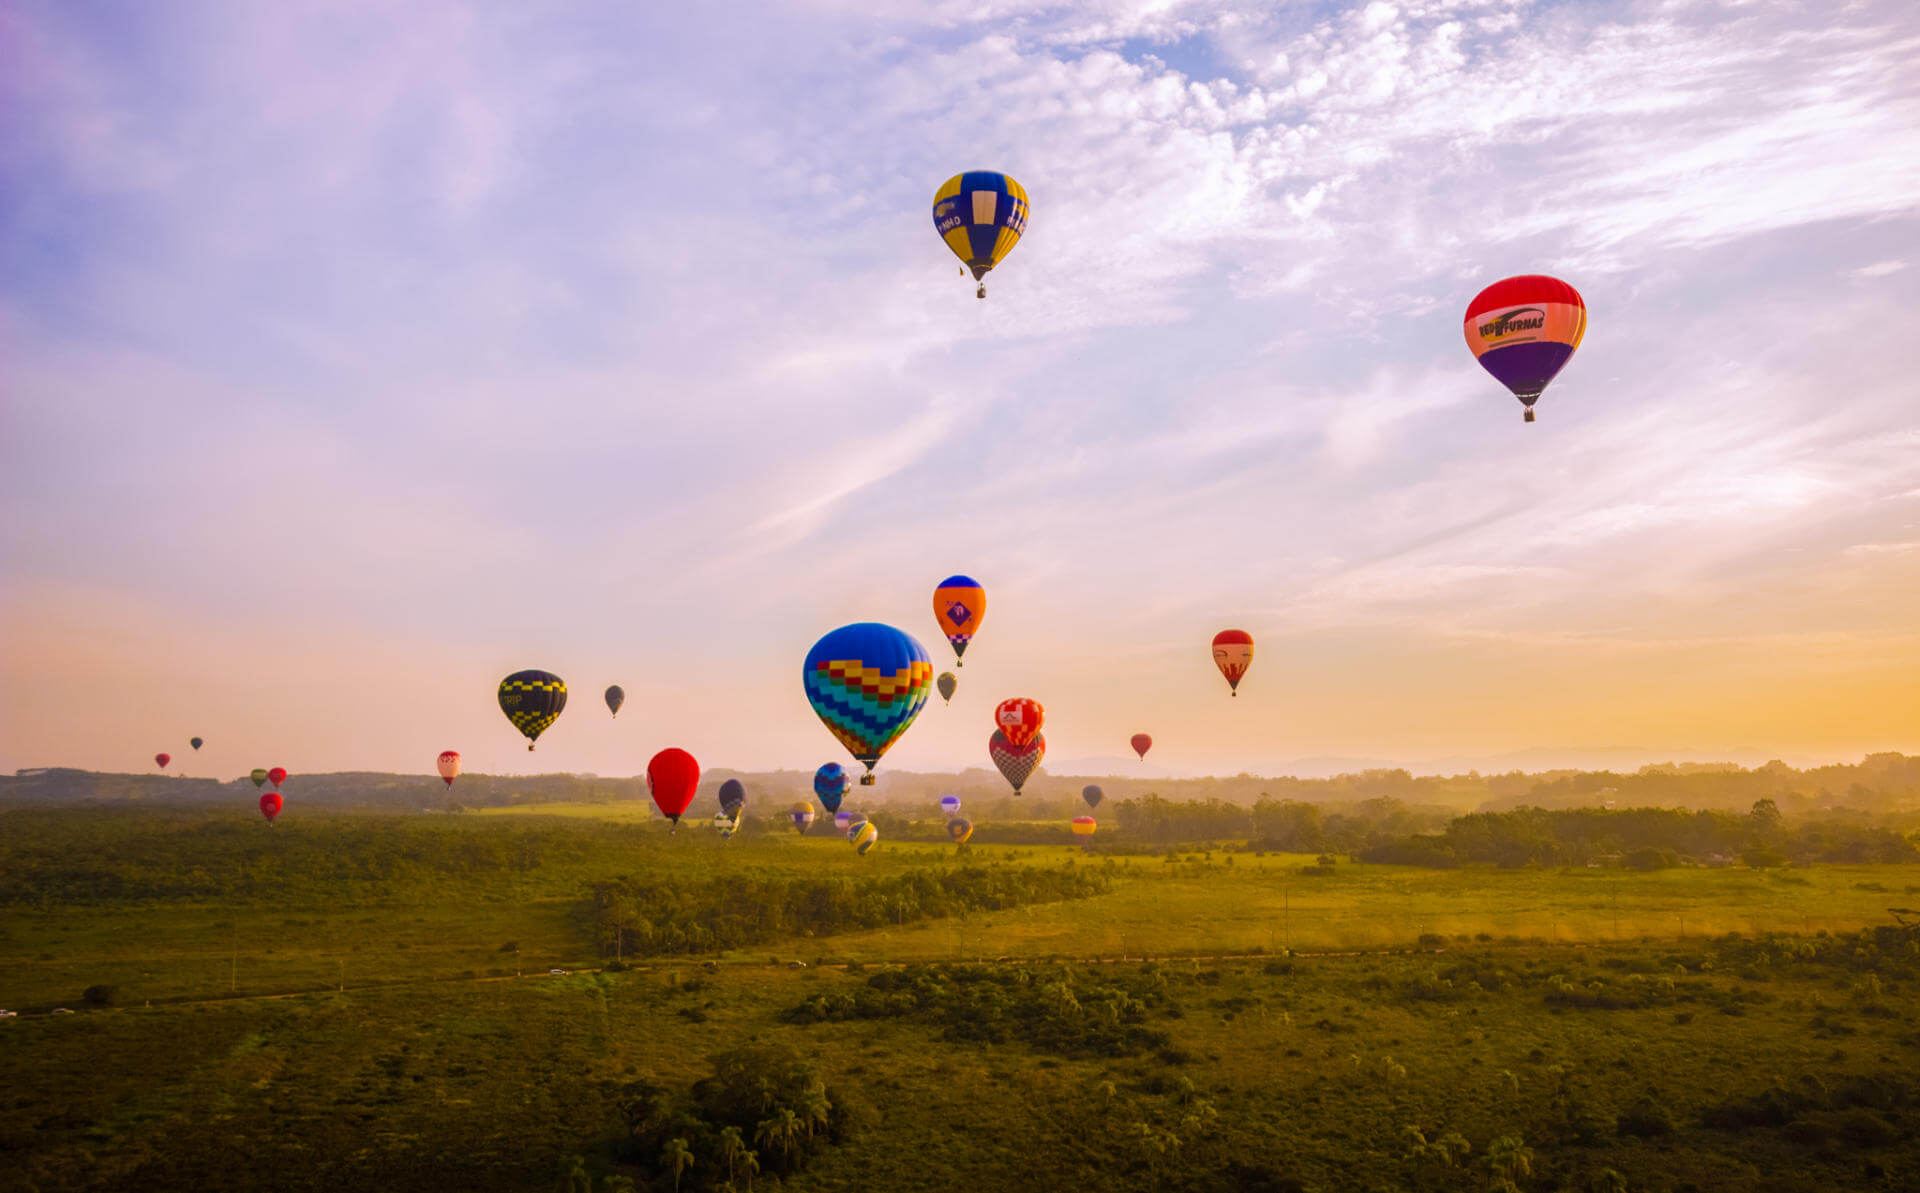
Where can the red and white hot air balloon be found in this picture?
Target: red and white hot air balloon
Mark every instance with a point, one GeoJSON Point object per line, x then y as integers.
{"type": "Point", "coordinates": [449, 764]}
{"type": "Point", "coordinates": [1019, 718]}
{"type": "Point", "coordinates": [1233, 654]}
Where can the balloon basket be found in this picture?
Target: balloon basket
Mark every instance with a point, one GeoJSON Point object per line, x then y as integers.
{"type": "Point", "coordinates": [866, 780]}
{"type": "Point", "coordinates": [981, 292]}
{"type": "Point", "coordinates": [1529, 414]}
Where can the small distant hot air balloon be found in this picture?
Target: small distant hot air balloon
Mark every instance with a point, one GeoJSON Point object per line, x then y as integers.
{"type": "Point", "coordinates": [1141, 743]}
{"type": "Point", "coordinates": [196, 743]}
{"type": "Point", "coordinates": [1233, 654]}
{"type": "Point", "coordinates": [1083, 827]}
{"type": "Point", "coordinates": [1092, 794]}
{"type": "Point", "coordinates": [270, 805]}
{"type": "Point", "coordinates": [277, 776]}
{"type": "Point", "coordinates": [259, 776]}
{"type": "Point", "coordinates": [616, 696]}
{"type": "Point", "coordinates": [1523, 330]}
{"type": "Point", "coordinates": [959, 605]}
{"type": "Point", "coordinates": [449, 764]}
{"type": "Point", "coordinates": [867, 682]}
{"type": "Point", "coordinates": [533, 701]}
{"type": "Point", "coordinates": [950, 804]}
{"type": "Point", "coordinates": [863, 836]}
{"type": "Point", "coordinates": [802, 814]}
{"type": "Point", "coordinates": [842, 821]}
{"type": "Point", "coordinates": [1019, 718]}
{"type": "Point", "coordinates": [673, 777]}
{"type": "Point", "coordinates": [980, 214]}
{"type": "Point", "coordinates": [959, 830]}
{"type": "Point", "coordinates": [830, 785]}
{"type": "Point", "coordinates": [733, 797]}
{"type": "Point", "coordinates": [724, 824]}
{"type": "Point", "coordinates": [161, 760]}
{"type": "Point", "coordinates": [1017, 763]}
{"type": "Point", "coordinates": [946, 683]}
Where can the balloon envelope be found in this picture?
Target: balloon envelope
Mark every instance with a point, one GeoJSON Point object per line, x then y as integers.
{"type": "Point", "coordinates": [1523, 330]}
{"type": "Point", "coordinates": [733, 797]}
{"type": "Point", "coordinates": [616, 696]}
{"type": "Point", "coordinates": [1083, 826]}
{"type": "Point", "coordinates": [802, 814]}
{"type": "Point", "coordinates": [449, 764]}
{"type": "Point", "coordinates": [161, 760]}
{"type": "Point", "coordinates": [980, 214]}
{"type": "Point", "coordinates": [959, 605]}
{"type": "Point", "coordinates": [863, 836]}
{"type": "Point", "coordinates": [673, 777]}
{"type": "Point", "coordinates": [277, 776]}
{"type": "Point", "coordinates": [259, 776]}
{"type": "Point", "coordinates": [950, 804]}
{"type": "Point", "coordinates": [1019, 718]}
{"type": "Point", "coordinates": [532, 700]}
{"type": "Point", "coordinates": [946, 683]}
{"type": "Point", "coordinates": [196, 743]}
{"type": "Point", "coordinates": [842, 820]}
{"type": "Point", "coordinates": [270, 805]}
{"type": "Point", "coordinates": [1017, 763]}
{"type": "Point", "coordinates": [959, 830]}
{"type": "Point", "coordinates": [1092, 794]}
{"type": "Point", "coordinates": [867, 682]}
{"type": "Point", "coordinates": [830, 785]}
{"type": "Point", "coordinates": [1141, 744]}
{"type": "Point", "coordinates": [1233, 654]}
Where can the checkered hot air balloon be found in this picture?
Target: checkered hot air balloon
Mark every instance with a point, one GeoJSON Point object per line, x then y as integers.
{"type": "Point", "coordinates": [1019, 718]}
{"type": "Point", "coordinates": [980, 214]}
{"type": "Point", "coordinates": [1016, 763]}
{"type": "Point", "coordinates": [1523, 330]}
{"type": "Point", "coordinates": [867, 682]}
{"type": "Point", "coordinates": [830, 786]}
{"type": "Point", "coordinates": [533, 701]}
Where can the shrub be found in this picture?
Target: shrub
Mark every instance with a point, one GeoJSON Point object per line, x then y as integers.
{"type": "Point", "coordinates": [100, 996]}
{"type": "Point", "coordinates": [1645, 1119]}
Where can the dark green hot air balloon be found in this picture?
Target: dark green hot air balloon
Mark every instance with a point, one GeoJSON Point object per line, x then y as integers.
{"type": "Point", "coordinates": [616, 696]}
{"type": "Point", "coordinates": [533, 701]}
{"type": "Point", "coordinates": [259, 776]}
{"type": "Point", "coordinates": [195, 743]}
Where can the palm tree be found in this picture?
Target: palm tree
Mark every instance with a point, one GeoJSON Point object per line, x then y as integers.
{"type": "Point", "coordinates": [575, 1178]}
{"type": "Point", "coordinates": [732, 1147]}
{"type": "Point", "coordinates": [779, 1133]}
{"type": "Point", "coordinates": [678, 1157]}
{"type": "Point", "coordinates": [750, 1164]}
{"type": "Point", "coordinates": [1509, 1159]}
{"type": "Point", "coordinates": [815, 1109]}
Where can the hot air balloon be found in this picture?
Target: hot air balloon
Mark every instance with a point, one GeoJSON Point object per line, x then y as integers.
{"type": "Point", "coordinates": [830, 786]}
{"type": "Point", "coordinates": [802, 814]}
{"type": "Point", "coordinates": [946, 683]}
{"type": "Point", "coordinates": [161, 760]}
{"type": "Point", "coordinates": [1141, 743]}
{"type": "Point", "coordinates": [724, 824]}
{"type": "Point", "coordinates": [1233, 654]}
{"type": "Point", "coordinates": [449, 764]}
{"type": "Point", "coordinates": [533, 701]}
{"type": "Point", "coordinates": [867, 682]}
{"type": "Point", "coordinates": [950, 804]}
{"type": "Point", "coordinates": [196, 743]}
{"type": "Point", "coordinates": [673, 777]}
{"type": "Point", "coordinates": [1523, 330]}
{"type": "Point", "coordinates": [270, 805]}
{"type": "Point", "coordinates": [1019, 718]}
{"type": "Point", "coordinates": [980, 214]}
{"type": "Point", "coordinates": [616, 696]}
{"type": "Point", "coordinates": [733, 797]}
{"type": "Point", "coordinates": [276, 776]}
{"type": "Point", "coordinates": [1017, 763]}
{"type": "Point", "coordinates": [1092, 794]}
{"type": "Point", "coordinates": [1083, 827]}
{"type": "Point", "coordinates": [863, 836]}
{"type": "Point", "coordinates": [959, 605]}
{"type": "Point", "coordinates": [959, 830]}
{"type": "Point", "coordinates": [259, 776]}
{"type": "Point", "coordinates": [842, 821]}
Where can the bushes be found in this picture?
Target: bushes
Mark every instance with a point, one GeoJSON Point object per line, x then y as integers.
{"type": "Point", "coordinates": [100, 996]}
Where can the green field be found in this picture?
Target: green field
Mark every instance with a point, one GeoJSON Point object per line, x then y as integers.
{"type": "Point", "coordinates": [1291, 1029]}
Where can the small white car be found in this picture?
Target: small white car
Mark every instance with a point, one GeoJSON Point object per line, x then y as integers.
{"type": "Point", "coordinates": [558, 973]}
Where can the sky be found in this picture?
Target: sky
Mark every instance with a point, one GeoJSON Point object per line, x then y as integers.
{"type": "Point", "coordinates": [353, 355]}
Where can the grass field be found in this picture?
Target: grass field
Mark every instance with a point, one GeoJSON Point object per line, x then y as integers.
{"type": "Point", "coordinates": [1539, 1005]}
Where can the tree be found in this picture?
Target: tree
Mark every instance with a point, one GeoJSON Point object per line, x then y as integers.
{"type": "Point", "coordinates": [750, 1164]}
{"type": "Point", "coordinates": [678, 1157]}
{"type": "Point", "coordinates": [732, 1147]}
{"type": "Point", "coordinates": [780, 1133]}
{"type": "Point", "coordinates": [574, 1178]}
{"type": "Point", "coordinates": [1509, 1159]}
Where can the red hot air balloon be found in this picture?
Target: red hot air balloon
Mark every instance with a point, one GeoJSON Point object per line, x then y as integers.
{"type": "Point", "coordinates": [1019, 718]}
{"type": "Point", "coordinates": [1233, 654]}
{"type": "Point", "coordinates": [1141, 744]}
{"type": "Point", "coordinates": [1016, 763]}
{"type": "Point", "coordinates": [277, 776]}
{"type": "Point", "coordinates": [449, 764]}
{"type": "Point", "coordinates": [161, 760]}
{"type": "Point", "coordinates": [672, 777]}
{"type": "Point", "coordinates": [270, 804]}
{"type": "Point", "coordinates": [1523, 330]}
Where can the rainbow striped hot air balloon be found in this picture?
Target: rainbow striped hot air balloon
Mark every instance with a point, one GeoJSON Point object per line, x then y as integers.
{"type": "Point", "coordinates": [867, 682]}
{"type": "Point", "coordinates": [1523, 330]}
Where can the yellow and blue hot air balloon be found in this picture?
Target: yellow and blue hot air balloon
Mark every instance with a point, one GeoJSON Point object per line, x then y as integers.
{"type": "Point", "coordinates": [980, 214]}
{"type": "Point", "coordinates": [867, 682]}
{"type": "Point", "coordinates": [864, 837]}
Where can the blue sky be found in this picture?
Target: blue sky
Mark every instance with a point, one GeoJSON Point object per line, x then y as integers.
{"type": "Point", "coordinates": [355, 355]}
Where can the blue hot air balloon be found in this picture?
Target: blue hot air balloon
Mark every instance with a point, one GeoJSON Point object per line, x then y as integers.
{"type": "Point", "coordinates": [830, 786]}
{"type": "Point", "coordinates": [950, 804]}
{"type": "Point", "coordinates": [867, 682]}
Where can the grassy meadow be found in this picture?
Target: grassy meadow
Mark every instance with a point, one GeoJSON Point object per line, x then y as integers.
{"type": "Point", "coordinates": [363, 1002]}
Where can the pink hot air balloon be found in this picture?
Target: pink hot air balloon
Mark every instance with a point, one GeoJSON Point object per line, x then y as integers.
{"type": "Point", "coordinates": [449, 764]}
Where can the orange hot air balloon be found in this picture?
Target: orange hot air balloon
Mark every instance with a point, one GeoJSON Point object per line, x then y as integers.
{"type": "Point", "coordinates": [959, 605]}
{"type": "Point", "coordinates": [449, 765]}
{"type": "Point", "coordinates": [1083, 826]}
{"type": "Point", "coordinates": [1019, 718]}
{"type": "Point", "coordinates": [1141, 744]}
{"type": "Point", "coordinates": [1233, 654]}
